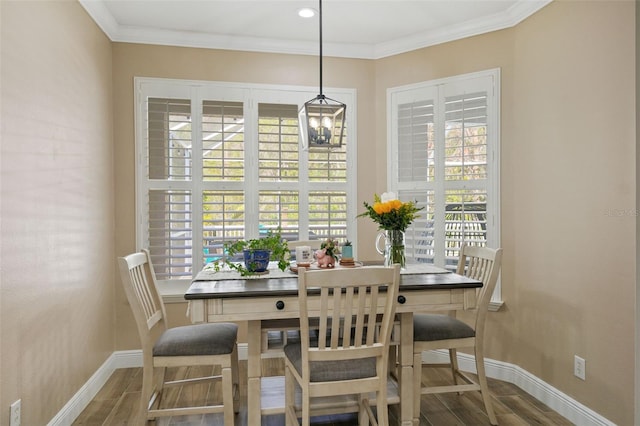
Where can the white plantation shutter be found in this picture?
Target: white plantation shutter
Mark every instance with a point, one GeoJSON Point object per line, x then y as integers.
{"type": "Point", "coordinates": [217, 163]}
{"type": "Point", "coordinates": [465, 172]}
{"type": "Point", "coordinates": [167, 159]}
{"type": "Point", "coordinates": [444, 154]}
{"type": "Point", "coordinates": [223, 218]}
{"type": "Point", "coordinates": [278, 157]}
{"type": "Point", "coordinates": [169, 230]}
{"type": "Point", "coordinates": [169, 135]}
{"type": "Point", "coordinates": [222, 141]}
{"type": "Point", "coordinates": [278, 161]}
{"type": "Point", "coordinates": [329, 166]}
{"type": "Point", "coordinates": [328, 214]}
{"type": "Point", "coordinates": [279, 209]}
{"type": "Point", "coordinates": [416, 137]}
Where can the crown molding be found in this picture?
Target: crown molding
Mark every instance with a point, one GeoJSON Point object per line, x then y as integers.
{"type": "Point", "coordinates": [128, 34]}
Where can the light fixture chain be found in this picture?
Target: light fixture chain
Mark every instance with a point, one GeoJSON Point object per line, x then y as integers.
{"type": "Point", "coordinates": [321, 93]}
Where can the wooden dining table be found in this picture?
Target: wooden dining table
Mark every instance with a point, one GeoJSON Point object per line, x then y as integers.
{"type": "Point", "coordinates": [219, 296]}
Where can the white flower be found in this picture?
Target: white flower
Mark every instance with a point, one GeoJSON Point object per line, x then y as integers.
{"type": "Point", "coordinates": [388, 196]}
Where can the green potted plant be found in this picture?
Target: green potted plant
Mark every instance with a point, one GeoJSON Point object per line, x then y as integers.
{"type": "Point", "coordinates": [257, 253]}
{"type": "Point", "coordinates": [347, 250]}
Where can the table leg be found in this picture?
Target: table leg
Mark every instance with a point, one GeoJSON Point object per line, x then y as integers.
{"type": "Point", "coordinates": [254, 373]}
{"type": "Point", "coordinates": [406, 369]}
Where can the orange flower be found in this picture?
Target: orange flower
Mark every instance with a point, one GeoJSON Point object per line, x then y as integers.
{"type": "Point", "coordinates": [394, 204]}
{"type": "Point", "coordinates": [380, 208]}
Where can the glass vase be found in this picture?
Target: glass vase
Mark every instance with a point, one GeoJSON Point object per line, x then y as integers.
{"type": "Point", "coordinates": [393, 250]}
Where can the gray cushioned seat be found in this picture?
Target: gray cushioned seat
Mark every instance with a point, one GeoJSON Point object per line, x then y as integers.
{"type": "Point", "coordinates": [198, 339]}
{"type": "Point", "coordinates": [329, 371]}
{"type": "Point", "coordinates": [431, 327]}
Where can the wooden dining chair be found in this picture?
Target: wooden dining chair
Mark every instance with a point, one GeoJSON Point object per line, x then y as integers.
{"type": "Point", "coordinates": [186, 346]}
{"type": "Point", "coordinates": [438, 331]}
{"type": "Point", "coordinates": [348, 352]}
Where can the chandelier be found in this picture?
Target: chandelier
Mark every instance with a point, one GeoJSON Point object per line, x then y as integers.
{"type": "Point", "coordinates": [321, 119]}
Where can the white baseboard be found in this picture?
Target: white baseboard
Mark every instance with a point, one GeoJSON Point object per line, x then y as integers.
{"type": "Point", "coordinates": [82, 398]}
{"type": "Point", "coordinates": [560, 402]}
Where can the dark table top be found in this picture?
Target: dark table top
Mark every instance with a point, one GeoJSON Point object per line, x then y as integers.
{"type": "Point", "coordinates": [280, 287]}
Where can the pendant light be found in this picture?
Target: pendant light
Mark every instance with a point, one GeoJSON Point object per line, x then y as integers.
{"type": "Point", "coordinates": [322, 119]}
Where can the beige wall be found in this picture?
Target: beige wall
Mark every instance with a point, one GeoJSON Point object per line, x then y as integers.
{"type": "Point", "coordinates": [57, 237]}
{"type": "Point", "coordinates": [568, 188]}
{"type": "Point", "coordinates": [573, 242]}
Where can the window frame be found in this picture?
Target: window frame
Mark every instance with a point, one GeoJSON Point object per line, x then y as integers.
{"type": "Point", "coordinates": [438, 90]}
{"type": "Point", "coordinates": [251, 95]}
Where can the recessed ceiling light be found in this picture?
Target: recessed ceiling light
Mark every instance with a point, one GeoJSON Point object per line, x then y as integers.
{"type": "Point", "coordinates": [306, 12]}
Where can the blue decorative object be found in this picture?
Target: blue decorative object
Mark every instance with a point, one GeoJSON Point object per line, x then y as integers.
{"type": "Point", "coordinates": [256, 260]}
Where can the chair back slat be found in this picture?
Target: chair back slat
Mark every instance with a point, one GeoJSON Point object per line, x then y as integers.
{"type": "Point", "coordinates": [335, 325]}
{"type": "Point", "coordinates": [372, 317]}
{"type": "Point", "coordinates": [359, 318]}
{"type": "Point", "coordinates": [348, 319]}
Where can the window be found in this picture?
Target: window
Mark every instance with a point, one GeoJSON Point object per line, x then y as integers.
{"type": "Point", "coordinates": [220, 162]}
{"type": "Point", "coordinates": [444, 153]}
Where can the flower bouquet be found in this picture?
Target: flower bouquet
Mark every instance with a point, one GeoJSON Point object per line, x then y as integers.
{"type": "Point", "coordinates": [394, 217]}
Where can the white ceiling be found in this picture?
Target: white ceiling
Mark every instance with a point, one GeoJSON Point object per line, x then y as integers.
{"type": "Point", "coordinates": [368, 29]}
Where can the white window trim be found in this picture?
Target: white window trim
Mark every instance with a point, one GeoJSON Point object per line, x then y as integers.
{"type": "Point", "coordinates": [157, 87]}
{"type": "Point", "coordinates": [493, 122]}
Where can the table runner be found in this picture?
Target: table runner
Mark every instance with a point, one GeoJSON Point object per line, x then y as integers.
{"type": "Point", "coordinates": [209, 273]}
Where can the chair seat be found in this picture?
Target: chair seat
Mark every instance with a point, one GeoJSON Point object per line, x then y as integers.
{"type": "Point", "coordinates": [198, 339]}
{"type": "Point", "coordinates": [433, 327]}
{"type": "Point", "coordinates": [331, 371]}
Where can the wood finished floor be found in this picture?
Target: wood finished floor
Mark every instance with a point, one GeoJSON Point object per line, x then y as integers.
{"type": "Point", "coordinates": [117, 402]}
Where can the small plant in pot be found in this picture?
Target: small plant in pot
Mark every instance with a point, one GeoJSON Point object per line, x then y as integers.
{"type": "Point", "coordinates": [347, 250]}
{"type": "Point", "coordinates": [257, 253]}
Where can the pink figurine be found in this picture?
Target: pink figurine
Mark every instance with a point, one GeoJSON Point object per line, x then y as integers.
{"type": "Point", "coordinates": [324, 260]}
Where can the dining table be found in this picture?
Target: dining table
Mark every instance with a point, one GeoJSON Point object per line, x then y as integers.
{"type": "Point", "coordinates": [226, 296]}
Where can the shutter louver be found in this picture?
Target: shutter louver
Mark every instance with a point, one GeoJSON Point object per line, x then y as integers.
{"type": "Point", "coordinates": [279, 209]}
{"type": "Point", "coordinates": [169, 159]}
{"type": "Point", "coordinates": [328, 214]}
{"type": "Point", "coordinates": [465, 161]}
{"type": "Point", "coordinates": [222, 221]}
{"type": "Point", "coordinates": [169, 139]}
{"type": "Point", "coordinates": [466, 137]}
{"type": "Point", "coordinates": [329, 165]}
{"type": "Point", "coordinates": [278, 142]}
{"type": "Point", "coordinates": [222, 141]}
{"type": "Point", "coordinates": [420, 236]}
{"type": "Point", "coordinates": [169, 229]}
{"type": "Point", "coordinates": [416, 137]}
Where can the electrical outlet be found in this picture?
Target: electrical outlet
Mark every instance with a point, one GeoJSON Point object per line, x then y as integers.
{"type": "Point", "coordinates": [579, 367]}
{"type": "Point", "coordinates": [16, 408]}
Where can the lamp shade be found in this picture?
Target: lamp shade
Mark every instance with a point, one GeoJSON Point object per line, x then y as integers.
{"type": "Point", "coordinates": [321, 123]}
